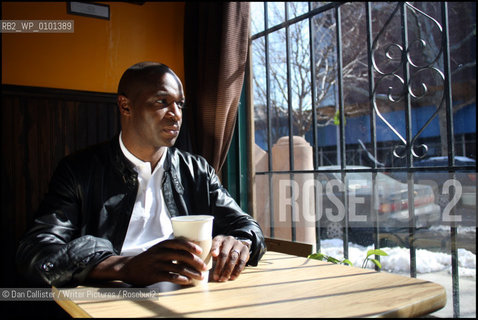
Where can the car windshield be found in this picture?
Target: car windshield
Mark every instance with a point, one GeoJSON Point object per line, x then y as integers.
{"type": "Point", "coordinates": [443, 161]}
{"type": "Point", "coordinates": [357, 180]}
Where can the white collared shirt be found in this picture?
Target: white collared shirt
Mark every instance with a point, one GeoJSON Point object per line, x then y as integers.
{"type": "Point", "coordinates": [150, 221]}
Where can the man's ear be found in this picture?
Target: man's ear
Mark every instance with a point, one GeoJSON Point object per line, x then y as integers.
{"type": "Point", "coordinates": [124, 105]}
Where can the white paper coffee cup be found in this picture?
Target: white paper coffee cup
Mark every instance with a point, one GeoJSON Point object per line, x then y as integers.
{"type": "Point", "coordinates": [198, 229]}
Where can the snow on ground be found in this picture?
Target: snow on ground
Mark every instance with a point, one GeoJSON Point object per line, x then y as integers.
{"type": "Point", "coordinates": [398, 259]}
{"type": "Point", "coordinates": [431, 266]}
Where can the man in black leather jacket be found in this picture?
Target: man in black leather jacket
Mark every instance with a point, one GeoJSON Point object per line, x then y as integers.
{"type": "Point", "coordinates": [81, 224]}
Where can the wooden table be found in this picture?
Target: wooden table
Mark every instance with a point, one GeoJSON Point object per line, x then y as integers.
{"type": "Point", "coordinates": [281, 286]}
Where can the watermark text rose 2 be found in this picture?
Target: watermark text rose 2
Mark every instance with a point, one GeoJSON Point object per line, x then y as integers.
{"type": "Point", "coordinates": [313, 200]}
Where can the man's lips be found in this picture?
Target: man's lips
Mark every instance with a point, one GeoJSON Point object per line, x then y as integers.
{"type": "Point", "coordinates": [172, 130]}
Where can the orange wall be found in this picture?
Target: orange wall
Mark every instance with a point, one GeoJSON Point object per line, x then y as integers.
{"type": "Point", "coordinates": [96, 54]}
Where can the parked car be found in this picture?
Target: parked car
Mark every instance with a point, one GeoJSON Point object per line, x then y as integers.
{"type": "Point", "coordinates": [437, 180]}
{"type": "Point", "coordinates": [392, 204]}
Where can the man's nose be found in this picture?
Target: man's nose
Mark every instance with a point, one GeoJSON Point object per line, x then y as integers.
{"type": "Point", "coordinates": [175, 111]}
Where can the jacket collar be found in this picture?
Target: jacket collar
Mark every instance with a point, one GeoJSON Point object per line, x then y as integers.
{"type": "Point", "coordinates": [126, 167]}
{"type": "Point", "coordinates": [121, 163]}
{"type": "Point", "coordinates": [170, 167]}
{"type": "Point", "coordinates": [167, 162]}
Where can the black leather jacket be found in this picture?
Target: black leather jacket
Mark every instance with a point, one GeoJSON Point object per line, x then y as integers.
{"type": "Point", "coordinates": [84, 216]}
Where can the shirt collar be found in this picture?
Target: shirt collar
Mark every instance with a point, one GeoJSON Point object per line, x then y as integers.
{"type": "Point", "coordinates": [139, 164]}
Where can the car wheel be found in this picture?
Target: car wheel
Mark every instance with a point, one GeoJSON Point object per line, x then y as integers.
{"type": "Point", "coordinates": [362, 237]}
{"type": "Point", "coordinates": [334, 230]}
{"type": "Point", "coordinates": [443, 201]}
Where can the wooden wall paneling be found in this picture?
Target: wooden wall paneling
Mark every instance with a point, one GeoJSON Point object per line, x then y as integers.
{"type": "Point", "coordinates": [103, 122]}
{"type": "Point", "coordinates": [69, 126]}
{"type": "Point", "coordinates": [59, 133]}
{"type": "Point", "coordinates": [33, 150]}
{"type": "Point", "coordinates": [28, 153]}
{"type": "Point", "coordinates": [19, 173]}
{"type": "Point", "coordinates": [93, 123]}
{"type": "Point", "coordinates": [8, 221]}
{"type": "Point", "coordinates": [42, 109]}
{"type": "Point", "coordinates": [82, 129]}
{"type": "Point", "coordinates": [39, 127]}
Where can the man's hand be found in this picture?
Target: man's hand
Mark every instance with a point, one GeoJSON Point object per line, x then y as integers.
{"type": "Point", "coordinates": [231, 256]}
{"type": "Point", "coordinates": [175, 260]}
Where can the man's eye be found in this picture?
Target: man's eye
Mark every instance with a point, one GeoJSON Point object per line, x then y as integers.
{"type": "Point", "coordinates": [164, 103]}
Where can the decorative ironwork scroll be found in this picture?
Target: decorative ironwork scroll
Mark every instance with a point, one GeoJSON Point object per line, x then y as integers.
{"type": "Point", "coordinates": [416, 55]}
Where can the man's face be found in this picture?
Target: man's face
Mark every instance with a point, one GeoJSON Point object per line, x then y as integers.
{"type": "Point", "coordinates": [156, 114]}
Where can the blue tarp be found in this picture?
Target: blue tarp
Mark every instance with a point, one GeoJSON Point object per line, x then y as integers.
{"type": "Point", "coordinates": [359, 127]}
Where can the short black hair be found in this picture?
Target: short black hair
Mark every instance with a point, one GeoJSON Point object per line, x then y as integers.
{"type": "Point", "coordinates": [140, 75]}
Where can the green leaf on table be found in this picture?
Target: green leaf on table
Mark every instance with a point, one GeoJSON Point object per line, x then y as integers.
{"type": "Point", "coordinates": [377, 263]}
{"type": "Point", "coordinates": [333, 260]}
{"type": "Point", "coordinates": [347, 261]}
{"type": "Point", "coordinates": [377, 252]}
{"type": "Point", "coordinates": [317, 256]}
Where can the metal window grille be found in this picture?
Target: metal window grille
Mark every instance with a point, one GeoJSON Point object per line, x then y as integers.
{"type": "Point", "coordinates": [408, 145]}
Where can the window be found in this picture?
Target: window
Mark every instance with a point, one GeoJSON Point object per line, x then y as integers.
{"type": "Point", "coordinates": [365, 123]}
